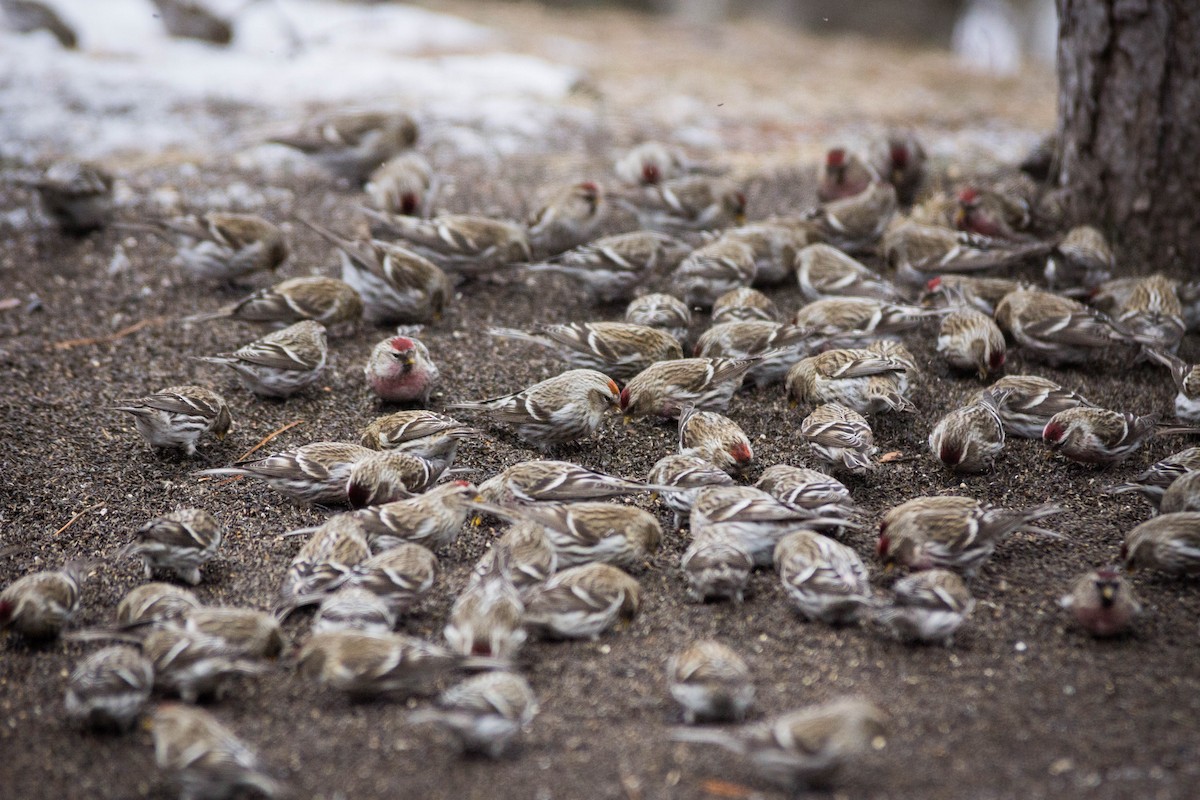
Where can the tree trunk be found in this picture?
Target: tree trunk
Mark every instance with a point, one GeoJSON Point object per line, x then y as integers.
{"type": "Point", "coordinates": [1129, 124]}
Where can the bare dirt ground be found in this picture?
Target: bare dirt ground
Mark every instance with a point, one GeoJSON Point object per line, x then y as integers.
{"type": "Point", "coordinates": [1021, 706]}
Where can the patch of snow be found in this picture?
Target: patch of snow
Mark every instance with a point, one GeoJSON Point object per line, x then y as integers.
{"type": "Point", "coordinates": [131, 89]}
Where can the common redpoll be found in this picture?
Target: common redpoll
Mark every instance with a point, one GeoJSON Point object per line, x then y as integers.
{"type": "Point", "coordinates": [387, 476]}
{"type": "Point", "coordinates": [1153, 313]}
{"type": "Point", "coordinates": [109, 689]}
{"type": "Point", "coordinates": [686, 474]}
{"type": "Point", "coordinates": [558, 410]}
{"type": "Point", "coordinates": [400, 370]}
{"type": "Point", "coordinates": [1027, 402]}
{"type": "Point", "coordinates": [969, 438]}
{"type": "Point", "coordinates": [650, 163]}
{"type": "Point", "coordinates": [334, 304]}
{"type": "Point", "coordinates": [613, 267]}
{"type": "Point", "coordinates": [208, 760]}
{"type": "Point", "coordinates": [1168, 543]}
{"type": "Point", "coordinates": [77, 196]}
{"type": "Point", "coordinates": [590, 532]}
{"type": "Point", "coordinates": [1098, 435]}
{"type": "Point", "coordinates": [955, 533]}
{"type": "Point", "coordinates": [775, 244]}
{"type": "Point", "coordinates": [154, 603]}
{"type": "Point", "coordinates": [693, 203]}
{"type": "Point", "coordinates": [396, 284]}
{"type": "Point", "coordinates": [743, 305]}
{"type": "Point", "coordinates": [223, 247]}
{"type": "Point", "coordinates": [661, 311]}
{"type": "Point", "coordinates": [756, 519]}
{"type": "Point", "coordinates": [824, 271]}
{"type": "Point", "coordinates": [325, 560]}
{"type": "Point", "coordinates": [531, 558]}
{"type": "Point", "coordinates": [432, 519]}
{"type": "Point", "coordinates": [486, 618]}
{"type": "Point", "coordinates": [899, 159]}
{"type": "Point", "coordinates": [424, 433]}
{"type": "Point", "coordinates": [840, 437]}
{"type": "Point", "coordinates": [1182, 495]}
{"type": "Point", "coordinates": [177, 416]}
{"type": "Point", "coordinates": [920, 251]}
{"type": "Point", "coordinates": [994, 214]}
{"type": "Point", "coordinates": [1158, 477]}
{"type": "Point", "coordinates": [353, 609]}
{"type": "Point", "coordinates": [969, 340]}
{"type": "Point", "coordinates": [929, 606]}
{"type": "Point", "coordinates": [806, 748]}
{"type": "Point", "coordinates": [843, 174]}
{"type": "Point", "coordinates": [715, 438]}
{"type": "Point", "coordinates": [712, 270]}
{"type": "Point", "coordinates": [859, 317]}
{"type": "Point", "coordinates": [857, 379]}
{"type": "Point", "coordinates": [665, 389]}
{"type": "Point", "coordinates": [1102, 602]}
{"type": "Point", "coordinates": [246, 631]}
{"type": "Point", "coordinates": [618, 349]}
{"type": "Point", "coordinates": [352, 145]}
{"type": "Point", "coordinates": [313, 473]}
{"type": "Point", "coordinates": [825, 581]}
{"type": "Point", "coordinates": [1082, 259]}
{"type": "Point", "coordinates": [192, 665]}
{"type": "Point", "coordinates": [1056, 329]}
{"type": "Point", "coordinates": [28, 16]}
{"type": "Point", "coordinates": [403, 184]}
{"type": "Point", "coordinates": [711, 682]}
{"type": "Point", "coordinates": [187, 19]}
{"type": "Point", "coordinates": [365, 665]}
{"type": "Point", "coordinates": [980, 293]}
{"type": "Point", "coordinates": [461, 244]}
{"type": "Point", "coordinates": [776, 347]}
{"type": "Point", "coordinates": [856, 222]}
{"type": "Point", "coordinates": [180, 543]}
{"type": "Point", "coordinates": [717, 565]}
{"type": "Point", "coordinates": [279, 364]}
{"type": "Point", "coordinates": [39, 605]}
{"type": "Point", "coordinates": [485, 713]}
{"type": "Point", "coordinates": [568, 218]}
{"type": "Point", "coordinates": [806, 488]}
{"type": "Point", "coordinates": [554, 481]}
{"type": "Point", "coordinates": [582, 602]}
{"type": "Point", "coordinates": [1187, 383]}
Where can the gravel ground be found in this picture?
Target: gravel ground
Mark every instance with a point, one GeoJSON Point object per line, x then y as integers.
{"type": "Point", "coordinates": [1021, 706]}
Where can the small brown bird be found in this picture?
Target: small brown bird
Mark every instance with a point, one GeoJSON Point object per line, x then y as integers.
{"type": "Point", "coordinates": [855, 223]}
{"type": "Point", "coordinates": [968, 439]}
{"type": "Point", "coordinates": [206, 758]}
{"type": "Point", "coordinates": [981, 294]}
{"type": "Point", "coordinates": [279, 364]}
{"type": "Point", "coordinates": [486, 618]}
{"type": "Point", "coordinates": [1168, 543]}
{"type": "Point", "coordinates": [186, 19]}
{"type": "Point", "coordinates": [368, 665]}
{"type": "Point", "coordinates": [596, 532]}
{"type": "Point", "coordinates": [743, 305]}
{"type": "Point", "coordinates": [399, 370]}
{"type": "Point", "coordinates": [531, 558]}
{"type": "Point", "coordinates": [1099, 435]}
{"type": "Point", "coordinates": [774, 244]}
{"type": "Point", "coordinates": [843, 174]}
{"type": "Point", "coordinates": [1027, 402]}
{"type": "Point", "coordinates": [859, 379]}
{"type": "Point", "coordinates": [856, 318]}
{"type": "Point", "coordinates": [715, 438]}
{"type": "Point", "coordinates": [929, 606]}
{"type": "Point", "coordinates": [222, 247]}
{"type": "Point", "coordinates": [76, 195]}
{"type": "Point", "coordinates": [428, 434]}
{"type": "Point", "coordinates": [177, 416]}
{"type": "Point", "coordinates": [717, 565]}
{"type": "Point", "coordinates": [325, 560]}
{"type": "Point", "coordinates": [582, 602]}
{"type": "Point", "coordinates": [247, 632]}
{"type": "Point", "coordinates": [193, 665]}
{"type": "Point", "coordinates": [39, 605]}
{"type": "Point", "coordinates": [840, 437]}
{"type": "Point", "coordinates": [663, 311]}
{"type": "Point", "coordinates": [1158, 477]}
{"type": "Point", "coordinates": [334, 304]}
{"type": "Point", "coordinates": [612, 268]}
{"type": "Point", "coordinates": [666, 388]}
{"type": "Point", "coordinates": [404, 184]}
{"type": "Point", "coordinates": [352, 145]}
{"type": "Point", "coordinates": [1058, 330]}
{"type": "Point", "coordinates": [805, 748]}
{"type": "Point", "coordinates": [690, 203]}
{"type": "Point", "coordinates": [617, 349]}
{"type": "Point", "coordinates": [314, 473]}
{"type": "Point", "coordinates": [180, 542]}
{"type": "Point", "coordinates": [806, 488]}
{"type": "Point", "coordinates": [650, 163]}
{"type": "Point", "coordinates": [485, 713]}
{"type": "Point", "coordinates": [824, 271]}
{"type": "Point", "coordinates": [1082, 259]}
{"type": "Point", "coordinates": [463, 245]}
{"type": "Point", "coordinates": [754, 518]}
{"type": "Point", "coordinates": [109, 689]}
{"type": "Point", "coordinates": [774, 346]}
{"type": "Point", "coordinates": [920, 251]}
{"type": "Point", "coordinates": [711, 682]}
{"type": "Point", "coordinates": [153, 603]}
{"type": "Point", "coordinates": [1182, 495]}
{"type": "Point", "coordinates": [353, 609]}
{"type": "Point", "coordinates": [713, 269]}
{"type": "Point", "coordinates": [899, 159]}
{"type": "Point", "coordinates": [545, 481]}
{"type": "Point", "coordinates": [432, 519]}
{"type": "Point", "coordinates": [558, 410]}
{"type": "Point", "coordinates": [1103, 603]}
{"type": "Point", "coordinates": [825, 581]}
{"type": "Point", "coordinates": [969, 340]}
{"type": "Point", "coordinates": [569, 218]}
{"type": "Point", "coordinates": [1187, 383]}
{"type": "Point", "coordinates": [685, 474]}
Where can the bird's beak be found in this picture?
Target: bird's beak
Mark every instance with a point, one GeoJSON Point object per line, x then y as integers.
{"type": "Point", "coordinates": [475, 523]}
{"type": "Point", "coordinates": [792, 404]}
{"type": "Point", "coordinates": [628, 419]}
{"type": "Point", "coordinates": [889, 566]}
{"type": "Point", "coordinates": [654, 497]}
{"type": "Point", "coordinates": [1107, 594]}
{"type": "Point", "coordinates": [960, 217]}
{"type": "Point", "coordinates": [740, 219]}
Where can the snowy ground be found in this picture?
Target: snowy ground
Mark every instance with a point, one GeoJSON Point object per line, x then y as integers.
{"type": "Point", "coordinates": [130, 89]}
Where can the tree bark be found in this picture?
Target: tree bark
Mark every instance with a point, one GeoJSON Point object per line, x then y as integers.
{"type": "Point", "coordinates": [1129, 124]}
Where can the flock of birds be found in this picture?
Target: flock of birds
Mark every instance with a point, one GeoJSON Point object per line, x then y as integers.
{"type": "Point", "coordinates": [562, 568]}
